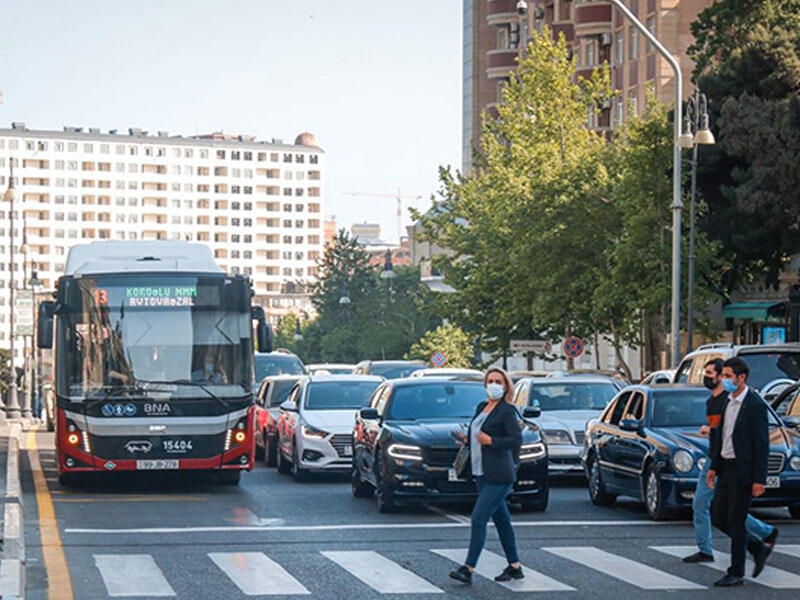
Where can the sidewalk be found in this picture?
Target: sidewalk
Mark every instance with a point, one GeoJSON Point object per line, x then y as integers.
{"type": "Point", "coordinates": [12, 546]}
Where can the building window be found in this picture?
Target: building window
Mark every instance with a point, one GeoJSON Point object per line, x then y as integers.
{"type": "Point", "coordinates": [590, 54]}
{"type": "Point", "coordinates": [287, 158]}
{"type": "Point", "coordinates": [502, 38]}
{"type": "Point", "coordinates": [312, 159]}
{"type": "Point", "coordinates": [634, 49]}
{"type": "Point", "coordinates": [620, 48]}
{"type": "Point", "coordinates": [651, 27]}
{"type": "Point", "coordinates": [633, 103]}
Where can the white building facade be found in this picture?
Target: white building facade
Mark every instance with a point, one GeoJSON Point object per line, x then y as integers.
{"type": "Point", "coordinates": [257, 205]}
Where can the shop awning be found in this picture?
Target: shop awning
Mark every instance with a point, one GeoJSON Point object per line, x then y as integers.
{"type": "Point", "coordinates": [753, 311]}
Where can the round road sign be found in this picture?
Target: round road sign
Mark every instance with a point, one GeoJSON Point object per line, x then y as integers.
{"type": "Point", "coordinates": [438, 359]}
{"type": "Point", "coordinates": [573, 346]}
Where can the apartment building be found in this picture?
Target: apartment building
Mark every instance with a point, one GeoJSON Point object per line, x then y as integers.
{"type": "Point", "coordinates": [258, 205]}
{"type": "Point", "coordinates": [495, 35]}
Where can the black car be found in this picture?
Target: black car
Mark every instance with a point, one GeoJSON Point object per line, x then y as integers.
{"type": "Point", "coordinates": [403, 450]}
{"type": "Point", "coordinates": [647, 445]}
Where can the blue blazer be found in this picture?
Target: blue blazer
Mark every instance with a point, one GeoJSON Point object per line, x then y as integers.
{"type": "Point", "coordinates": [500, 458]}
{"type": "Point", "coordinates": [750, 440]}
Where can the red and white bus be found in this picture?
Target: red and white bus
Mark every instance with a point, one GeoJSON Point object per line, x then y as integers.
{"type": "Point", "coordinates": [153, 361]}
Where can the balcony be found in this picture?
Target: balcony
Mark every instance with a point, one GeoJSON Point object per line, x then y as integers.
{"type": "Point", "coordinates": [500, 62]}
{"type": "Point", "coordinates": [501, 12]}
{"type": "Point", "coordinates": [592, 19]}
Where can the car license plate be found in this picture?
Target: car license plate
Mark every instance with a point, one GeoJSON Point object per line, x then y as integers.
{"type": "Point", "coordinates": [773, 482]}
{"type": "Point", "coordinates": [156, 465]}
{"type": "Point", "coordinates": [451, 475]}
{"type": "Point", "coordinates": [347, 451]}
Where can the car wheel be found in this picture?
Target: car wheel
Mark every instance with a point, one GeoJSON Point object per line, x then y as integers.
{"type": "Point", "coordinates": [229, 477]}
{"type": "Point", "coordinates": [360, 488]}
{"type": "Point", "coordinates": [298, 473]}
{"type": "Point", "coordinates": [597, 490]}
{"type": "Point", "coordinates": [284, 466]}
{"type": "Point", "coordinates": [261, 450]}
{"type": "Point", "coordinates": [271, 452]}
{"type": "Point", "coordinates": [653, 496]}
{"type": "Point", "coordinates": [383, 491]}
{"type": "Point", "coordinates": [794, 511]}
{"type": "Point", "coordinates": [539, 504]}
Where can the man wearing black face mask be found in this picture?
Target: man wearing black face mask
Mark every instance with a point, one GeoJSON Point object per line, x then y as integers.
{"type": "Point", "coordinates": [703, 494]}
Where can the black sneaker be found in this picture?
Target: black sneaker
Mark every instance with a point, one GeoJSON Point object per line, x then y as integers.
{"type": "Point", "coordinates": [462, 574]}
{"type": "Point", "coordinates": [510, 573]}
{"type": "Point", "coordinates": [760, 559]}
{"type": "Point", "coordinates": [698, 557]}
{"type": "Point", "coordinates": [729, 581]}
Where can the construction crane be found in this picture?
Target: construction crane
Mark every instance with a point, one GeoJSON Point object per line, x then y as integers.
{"type": "Point", "coordinates": [398, 196]}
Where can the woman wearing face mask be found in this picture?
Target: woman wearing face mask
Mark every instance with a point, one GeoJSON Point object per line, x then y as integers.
{"type": "Point", "coordinates": [494, 439]}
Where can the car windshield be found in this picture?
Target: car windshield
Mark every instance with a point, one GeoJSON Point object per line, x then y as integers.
{"type": "Point", "coordinates": [339, 395]}
{"type": "Point", "coordinates": [280, 391]}
{"type": "Point", "coordinates": [768, 366]}
{"type": "Point", "coordinates": [277, 364]}
{"type": "Point", "coordinates": [572, 396]}
{"type": "Point", "coordinates": [394, 371]}
{"type": "Point", "coordinates": [686, 408]}
{"type": "Point", "coordinates": [445, 400]}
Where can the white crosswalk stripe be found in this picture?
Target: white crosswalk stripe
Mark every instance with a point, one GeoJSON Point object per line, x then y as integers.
{"type": "Point", "coordinates": [629, 571]}
{"type": "Point", "coordinates": [790, 549]}
{"type": "Point", "coordinates": [380, 573]}
{"type": "Point", "coordinates": [770, 576]}
{"type": "Point", "coordinates": [132, 575]}
{"type": "Point", "coordinates": [491, 564]}
{"type": "Point", "coordinates": [256, 574]}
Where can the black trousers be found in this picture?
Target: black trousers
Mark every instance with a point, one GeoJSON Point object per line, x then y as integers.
{"type": "Point", "coordinates": [729, 513]}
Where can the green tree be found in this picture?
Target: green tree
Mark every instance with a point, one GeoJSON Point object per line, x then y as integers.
{"type": "Point", "coordinates": [747, 55]}
{"type": "Point", "coordinates": [448, 339]}
{"type": "Point", "coordinates": [526, 227]}
{"type": "Point", "coordinates": [285, 333]}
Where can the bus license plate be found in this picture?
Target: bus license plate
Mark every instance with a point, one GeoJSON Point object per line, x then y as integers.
{"type": "Point", "coordinates": [156, 465]}
{"type": "Point", "coordinates": [773, 482]}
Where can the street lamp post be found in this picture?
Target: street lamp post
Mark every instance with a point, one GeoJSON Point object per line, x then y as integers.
{"type": "Point", "coordinates": [695, 133]}
{"type": "Point", "coordinates": [12, 403]}
{"type": "Point", "coordinates": [27, 398]}
{"type": "Point", "coordinates": [677, 204]}
{"type": "Point", "coordinates": [388, 274]}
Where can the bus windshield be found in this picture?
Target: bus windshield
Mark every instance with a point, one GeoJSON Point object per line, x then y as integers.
{"type": "Point", "coordinates": [127, 332]}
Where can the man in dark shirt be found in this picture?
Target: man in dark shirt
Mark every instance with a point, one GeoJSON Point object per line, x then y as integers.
{"type": "Point", "coordinates": [703, 495]}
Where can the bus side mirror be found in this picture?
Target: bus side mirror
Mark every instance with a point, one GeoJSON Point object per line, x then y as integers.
{"type": "Point", "coordinates": [44, 334]}
{"type": "Point", "coordinates": [263, 330]}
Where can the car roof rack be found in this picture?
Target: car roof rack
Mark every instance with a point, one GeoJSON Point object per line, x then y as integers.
{"type": "Point", "coordinates": [715, 345]}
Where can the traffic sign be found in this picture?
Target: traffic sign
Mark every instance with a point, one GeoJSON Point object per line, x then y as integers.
{"type": "Point", "coordinates": [573, 346]}
{"type": "Point", "coordinates": [23, 312]}
{"type": "Point", "coordinates": [535, 346]}
{"type": "Point", "coordinates": [439, 359]}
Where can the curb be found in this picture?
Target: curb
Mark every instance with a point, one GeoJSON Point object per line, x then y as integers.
{"type": "Point", "coordinates": [12, 564]}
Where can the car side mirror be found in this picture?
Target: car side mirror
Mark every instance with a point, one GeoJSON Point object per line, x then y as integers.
{"type": "Point", "coordinates": [368, 414]}
{"type": "Point", "coordinates": [631, 425]}
{"type": "Point", "coordinates": [288, 406]}
{"type": "Point", "coordinates": [531, 412]}
{"type": "Point", "coordinates": [793, 422]}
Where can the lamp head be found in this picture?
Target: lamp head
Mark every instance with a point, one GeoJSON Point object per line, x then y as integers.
{"type": "Point", "coordinates": [704, 136]}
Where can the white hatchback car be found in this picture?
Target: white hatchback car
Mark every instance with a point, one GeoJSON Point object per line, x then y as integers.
{"type": "Point", "coordinates": [315, 424]}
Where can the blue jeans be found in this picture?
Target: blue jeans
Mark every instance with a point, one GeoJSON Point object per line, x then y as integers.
{"type": "Point", "coordinates": [703, 495]}
{"type": "Point", "coordinates": [491, 503]}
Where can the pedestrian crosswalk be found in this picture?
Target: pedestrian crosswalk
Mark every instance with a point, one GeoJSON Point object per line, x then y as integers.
{"type": "Point", "coordinates": [421, 572]}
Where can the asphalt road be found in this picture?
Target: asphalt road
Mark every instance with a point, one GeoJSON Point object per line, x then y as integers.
{"type": "Point", "coordinates": [155, 537]}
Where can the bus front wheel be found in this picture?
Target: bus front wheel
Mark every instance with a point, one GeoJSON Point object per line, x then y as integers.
{"type": "Point", "coordinates": [229, 477]}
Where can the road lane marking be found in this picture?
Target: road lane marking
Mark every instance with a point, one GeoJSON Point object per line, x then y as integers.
{"type": "Point", "coordinates": [491, 564]}
{"type": "Point", "coordinates": [380, 573]}
{"type": "Point", "coordinates": [790, 549]}
{"type": "Point", "coordinates": [452, 516]}
{"type": "Point", "coordinates": [58, 578]}
{"type": "Point", "coordinates": [618, 567]}
{"type": "Point", "coordinates": [256, 574]}
{"type": "Point", "coordinates": [365, 526]}
{"type": "Point", "coordinates": [770, 576]}
{"type": "Point", "coordinates": [116, 499]}
{"type": "Point", "coordinates": [132, 575]}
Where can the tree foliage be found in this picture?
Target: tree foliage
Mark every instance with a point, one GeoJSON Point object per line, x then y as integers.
{"type": "Point", "coordinates": [448, 339]}
{"type": "Point", "coordinates": [747, 55]}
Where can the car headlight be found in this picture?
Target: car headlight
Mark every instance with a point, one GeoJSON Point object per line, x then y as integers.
{"type": "Point", "coordinates": [532, 451]}
{"type": "Point", "coordinates": [794, 462]}
{"type": "Point", "coordinates": [682, 461]}
{"type": "Point", "coordinates": [556, 436]}
{"type": "Point", "coordinates": [312, 432]}
{"type": "Point", "coordinates": [404, 452]}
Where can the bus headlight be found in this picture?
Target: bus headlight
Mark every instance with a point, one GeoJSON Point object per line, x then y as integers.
{"type": "Point", "coordinates": [682, 461]}
{"type": "Point", "coordinates": [237, 434]}
{"type": "Point", "coordinates": [532, 451]}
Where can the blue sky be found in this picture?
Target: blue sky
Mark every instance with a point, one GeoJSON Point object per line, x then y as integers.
{"type": "Point", "coordinates": [378, 82]}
